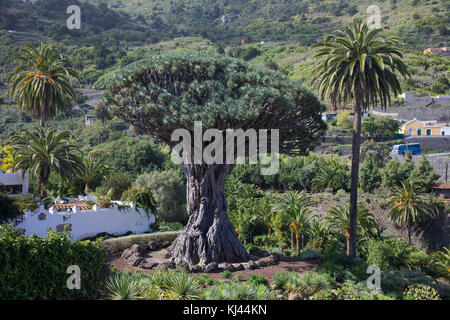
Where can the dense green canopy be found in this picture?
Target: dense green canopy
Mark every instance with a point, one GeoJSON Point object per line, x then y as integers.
{"type": "Point", "coordinates": [166, 92]}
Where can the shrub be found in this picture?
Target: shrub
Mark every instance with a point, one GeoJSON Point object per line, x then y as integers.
{"type": "Point", "coordinates": [388, 254]}
{"type": "Point", "coordinates": [204, 279]}
{"type": "Point", "coordinates": [8, 209]}
{"type": "Point", "coordinates": [398, 281]}
{"type": "Point", "coordinates": [257, 279]}
{"type": "Point", "coordinates": [168, 189]}
{"type": "Point", "coordinates": [265, 240]}
{"type": "Point", "coordinates": [164, 226]}
{"type": "Point", "coordinates": [227, 274]}
{"type": "Point", "coordinates": [237, 291]}
{"type": "Point", "coordinates": [369, 175]}
{"type": "Point", "coordinates": [123, 286]}
{"type": "Point", "coordinates": [280, 279]}
{"type": "Point", "coordinates": [419, 291]}
{"type": "Point", "coordinates": [114, 185]}
{"type": "Point", "coordinates": [308, 254]}
{"type": "Point", "coordinates": [350, 291]}
{"type": "Point", "coordinates": [35, 267]}
{"type": "Point", "coordinates": [306, 284]}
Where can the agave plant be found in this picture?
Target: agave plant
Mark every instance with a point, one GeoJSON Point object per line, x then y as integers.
{"type": "Point", "coordinates": [238, 291]}
{"type": "Point", "coordinates": [123, 286]}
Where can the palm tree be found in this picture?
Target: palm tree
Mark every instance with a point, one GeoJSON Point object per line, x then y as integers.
{"type": "Point", "coordinates": [358, 66]}
{"type": "Point", "coordinates": [41, 83]}
{"type": "Point", "coordinates": [409, 205]}
{"type": "Point", "coordinates": [294, 206]}
{"type": "Point", "coordinates": [41, 152]}
{"type": "Point", "coordinates": [300, 219]}
{"type": "Point", "coordinates": [92, 172]}
{"type": "Point", "coordinates": [338, 218]}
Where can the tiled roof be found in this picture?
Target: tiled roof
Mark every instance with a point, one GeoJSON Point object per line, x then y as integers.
{"type": "Point", "coordinates": [70, 205]}
{"type": "Point", "coordinates": [442, 186]}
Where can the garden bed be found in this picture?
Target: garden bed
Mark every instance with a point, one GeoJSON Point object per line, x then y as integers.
{"type": "Point", "coordinates": [286, 264]}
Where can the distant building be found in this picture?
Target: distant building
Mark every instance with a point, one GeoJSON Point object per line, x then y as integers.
{"type": "Point", "coordinates": [246, 41]}
{"type": "Point", "coordinates": [443, 51]}
{"type": "Point", "coordinates": [412, 100]}
{"type": "Point", "coordinates": [424, 128]}
{"type": "Point", "coordinates": [89, 119]}
{"type": "Point", "coordinates": [13, 184]}
{"type": "Point", "coordinates": [442, 190]}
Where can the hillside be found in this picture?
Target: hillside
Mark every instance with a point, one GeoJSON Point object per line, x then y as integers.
{"type": "Point", "coordinates": [419, 22]}
{"type": "Point", "coordinates": [115, 33]}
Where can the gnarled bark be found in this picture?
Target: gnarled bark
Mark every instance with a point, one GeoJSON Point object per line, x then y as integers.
{"type": "Point", "coordinates": [209, 235]}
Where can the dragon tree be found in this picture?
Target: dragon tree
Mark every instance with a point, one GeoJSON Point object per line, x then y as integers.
{"type": "Point", "coordinates": [174, 91]}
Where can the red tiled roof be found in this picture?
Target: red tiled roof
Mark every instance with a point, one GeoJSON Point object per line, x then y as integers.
{"type": "Point", "coordinates": [442, 186]}
{"type": "Point", "coordinates": [70, 205]}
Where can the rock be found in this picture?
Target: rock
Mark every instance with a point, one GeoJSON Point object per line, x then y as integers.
{"type": "Point", "coordinates": [226, 266]}
{"type": "Point", "coordinates": [196, 269]}
{"type": "Point", "coordinates": [166, 265]}
{"type": "Point", "coordinates": [165, 244]}
{"type": "Point", "coordinates": [211, 267]}
{"type": "Point", "coordinates": [259, 253]}
{"type": "Point", "coordinates": [261, 263]}
{"type": "Point", "coordinates": [275, 256]}
{"type": "Point", "coordinates": [269, 261]}
{"type": "Point", "coordinates": [138, 248]}
{"type": "Point", "coordinates": [135, 259]}
{"type": "Point", "coordinates": [238, 266]}
{"type": "Point", "coordinates": [251, 265]}
{"type": "Point", "coordinates": [153, 246]}
{"type": "Point", "coordinates": [149, 265]}
{"type": "Point", "coordinates": [126, 254]}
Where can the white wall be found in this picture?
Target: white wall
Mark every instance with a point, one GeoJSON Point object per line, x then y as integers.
{"type": "Point", "coordinates": [14, 179]}
{"type": "Point", "coordinates": [446, 130]}
{"type": "Point", "coordinates": [88, 223]}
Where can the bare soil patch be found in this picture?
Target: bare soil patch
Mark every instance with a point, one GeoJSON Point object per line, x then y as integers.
{"type": "Point", "coordinates": [285, 264]}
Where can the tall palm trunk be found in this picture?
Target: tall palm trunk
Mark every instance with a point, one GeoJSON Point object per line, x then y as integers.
{"type": "Point", "coordinates": [298, 238]}
{"type": "Point", "coordinates": [409, 231]}
{"type": "Point", "coordinates": [292, 239]}
{"type": "Point", "coordinates": [356, 144]}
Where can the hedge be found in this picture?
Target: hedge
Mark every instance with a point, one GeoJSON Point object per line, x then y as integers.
{"type": "Point", "coordinates": [34, 267]}
{"type": "Point", "coordinates": [119, 244]}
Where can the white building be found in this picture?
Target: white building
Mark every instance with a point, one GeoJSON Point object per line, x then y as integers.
{"type": "Point", "coordinates": [85, 222]}
{"type": "Point", "coordinates": [13, 183]}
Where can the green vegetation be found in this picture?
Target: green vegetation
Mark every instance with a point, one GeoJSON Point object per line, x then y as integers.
{"type": "Point", "coordinates": [41, 273]}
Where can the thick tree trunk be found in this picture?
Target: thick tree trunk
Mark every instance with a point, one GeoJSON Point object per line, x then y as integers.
{"type": "Point", "coordinates": [209, 235]}
{"type": "Point", "coordinates": [356, 144]}
{"type": "Point", "coordinates": [298, 240]}
{"type": "Point", "coordinates": [42, 122]}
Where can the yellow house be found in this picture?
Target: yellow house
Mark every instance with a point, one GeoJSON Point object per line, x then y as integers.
{"type": "Point", "coordinates": [420, 128]}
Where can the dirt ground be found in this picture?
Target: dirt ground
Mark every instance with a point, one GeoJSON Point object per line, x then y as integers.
{"type": "Point", "coordinates": [286, 264]}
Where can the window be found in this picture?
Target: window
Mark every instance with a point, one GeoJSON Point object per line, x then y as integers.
{"type": "Point", "coordinates": [428, 132]}
{"type": "Point", "coordinates": [419, 132]}
{"type": "Point", "coordinates": [443, 133]}
{"type": "Point", "coordinates": [410, 131]}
